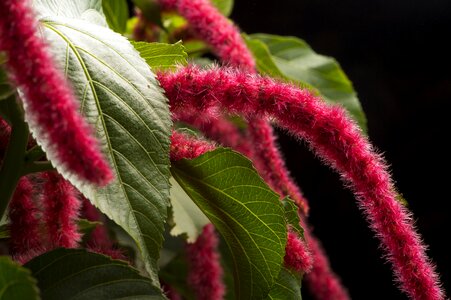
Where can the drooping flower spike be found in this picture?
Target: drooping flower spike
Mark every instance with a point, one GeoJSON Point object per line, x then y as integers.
{"type": "Point", "coordinates": [297, 255]}
{"type": "Point", "coordinates": [61, 211]}
{"type": "Point", "coordinates": [321, 280]}
{"type": "Point", "coordinates": [213, 28]}
{"type": "Point", "coordinates": [48, 101]}
{"type": "Point", "coordinates": [24, 224]}
{"type": "Point", "coordinates": [226, 42]}
{"type": "Point", "coordinates": [99, 241]}
{"type": "Point", "coordinates": [205, 272]}
{"type": "Point", "coordinates": [336, 139]}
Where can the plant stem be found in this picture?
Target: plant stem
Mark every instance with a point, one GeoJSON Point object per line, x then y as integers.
{"type": "Point", "coordinates": [13, 162]}
{"type": "Point", "coordinates": [34, 154]}
{"type": "Point", "coordinates": [37, 166]}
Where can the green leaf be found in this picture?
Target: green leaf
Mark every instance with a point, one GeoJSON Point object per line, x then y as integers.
{"type": "Point", "coordinates": [292, 216]}
{"type": "Point", "coordinates": [161, 56]}
{"type": "Point", "coordinates": [75, 274]}
{"type": "Point", "coordinates": [116, 13]}
{"type": "Point", "coordinates": [224, 6]}
{"type": "Point", "coordinates": [226, 187]}
{"type": "Point", "coordinates": [287, 287]}
{"type": "Point", "coordinates": [297, 61]}
{"type": "Point", "coordinates": [188, 218]}
{"type": "Point", "coordinates": [16, 282]}
{"type": "Point", "coordinates": [121, 98]}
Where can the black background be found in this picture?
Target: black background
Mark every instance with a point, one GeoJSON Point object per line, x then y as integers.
{"type": "Point", "coordinates": [398, 56]}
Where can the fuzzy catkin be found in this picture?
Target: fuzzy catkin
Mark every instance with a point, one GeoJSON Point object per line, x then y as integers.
{"type": "Point", "coordinates": [49, 103]}
{"type": "Point", "coordinates": [297, 256]}
{"type": "Point", "coordinates": [24, 223]}
{"type": "Point", "coordinates": [61, 211]}
{"type": "Point", "coordinates": [336, 139]}
{"type": "Point", "coordinates": [205, 271]}
{"type": "Point", "coordinates": [225, 40]}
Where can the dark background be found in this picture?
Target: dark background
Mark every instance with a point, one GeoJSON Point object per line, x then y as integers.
{"type": "Point", "coordinates": [398, 56]}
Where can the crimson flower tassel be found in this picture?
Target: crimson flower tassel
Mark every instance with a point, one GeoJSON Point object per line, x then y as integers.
{"type": "Point", "coordinates": [24, 224]}
{"type": "Point", "coordinates": [212, 27]}
{"type": "Point", "coordinates": [297, 256]}
{"type": "Point", "coordinates": [321, 281]}
{"type": "Point", "coordinates": [50, 106]}
{"type": "Point", "coordinates": [61, 211]}
{"type": "Point", "coordinates": [184, 146]}
{"type": "Point", "coordinates": [336, 139]}
{"type": "Point", "coordinates": [100, 241]}
{"type": "Point", "coordinates": [205, 271]}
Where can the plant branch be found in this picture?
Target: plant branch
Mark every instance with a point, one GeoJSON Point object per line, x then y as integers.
{"type": "Point", "coordinates": [37, 166]}
{"type": "Point", "coordinates": [34, 154]}
{"type": "Point", "coordinates": [13, 162]}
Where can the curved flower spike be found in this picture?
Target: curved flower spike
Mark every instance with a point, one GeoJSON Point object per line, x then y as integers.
{"type": "Point", "coordinates": [205, 272]}
{"type": "Point", "coordinates": [48, 101]}
{"type": "Point", "coordinates": [61, 211]}
{"type": "Point", "coordinates": [297, 256]}
{"type": "Point", "coordinates": [336, 139]}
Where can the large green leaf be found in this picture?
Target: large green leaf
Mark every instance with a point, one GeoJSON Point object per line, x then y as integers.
{"type": "Point", "coordinates": [116, 13]}
{"type": "Point", "coordinates": [224, 6]}
{"type": "Point", "coordinates": [16, 282]}
{"type": "Point", "coordinates": [121, 98]}
{"type": "Point", "coordinates": [75, 274]}
{"type": "Point", "coordinates": [188, 218]}
{"type": "Point", "coordinates": [161, 56]}
{"type": "Point", "coordinates": [244, 210]}
{"type": "Point", "coordinates": [287, 287]}
{"type": "Point", "coordinates": [298, 62]}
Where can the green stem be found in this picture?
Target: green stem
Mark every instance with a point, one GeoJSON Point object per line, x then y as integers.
{"type": "Point", "coordinates": [13, 162]}
{"type": "Point", "coordinates": [34, 154]}
{"type": "Point", "coordinates": [37, 166]}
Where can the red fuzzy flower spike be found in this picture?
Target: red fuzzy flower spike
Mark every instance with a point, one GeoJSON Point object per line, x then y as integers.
{"type": "Point", "coordinates": [336, 139]}
{"type": "Point", "coordinates": [48, 101]}
{"type": "Point", "coordinates": [225, 40]}
{"type": "Point", "coordinates": [205, 272]}
{"type": "Point", "coordinates": [270, 164]}
{"type": "Point", "coordinates": [184, 146]}
{"type": "Point", "coordinates": [24, 224]}
{"type": "Point", "coordinates": [100, 241]}
{"type": "Point", "coordinates": [297, 256]}
{"type": "Point", "coordinates": [321, 281]}
{"type": "Point", "coordinates": [61, 211]}
{"type": "Point", "coordinates": [212, 27]}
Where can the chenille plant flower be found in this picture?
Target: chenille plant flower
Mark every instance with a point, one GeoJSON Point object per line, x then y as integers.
{"type": "Point", "coordinates": [119, 183]}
